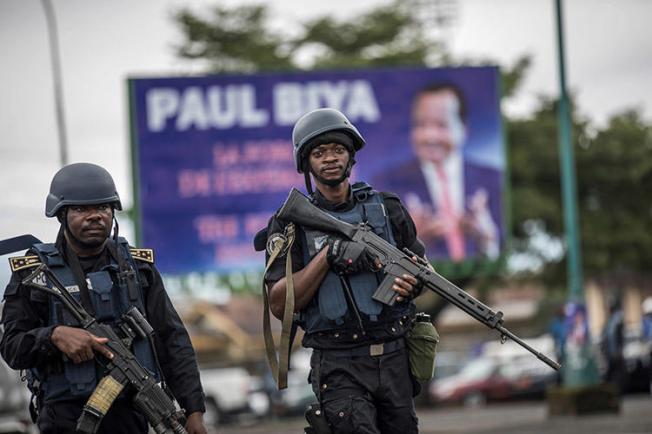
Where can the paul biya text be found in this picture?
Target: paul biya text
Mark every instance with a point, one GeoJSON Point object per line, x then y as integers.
{"type": "Point", "coordinates": [236, 105]}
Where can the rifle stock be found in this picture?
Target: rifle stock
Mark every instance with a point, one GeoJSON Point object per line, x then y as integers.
{"type": "Point", "coordinates": [298, 209]}
{"type": "Point", "coordinates": [312, 216]}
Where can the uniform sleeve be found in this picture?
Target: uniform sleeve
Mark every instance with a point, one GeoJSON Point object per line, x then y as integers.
{"type": "Point", "coordinates": [26, 339]}
{"type": "Point", "coordinates": [277, 270]}
{"type": "Point", "coordinates": [176, 355]}
{"type": "Point", "coordinates": [403, 227]}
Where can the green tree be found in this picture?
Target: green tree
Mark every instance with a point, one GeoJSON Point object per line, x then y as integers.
{"type": "Point", "coordinates": [614, 184]}
{"type": "Point", "coordinates": [233, 40]}
{"type": "Point", "coordinates": [614, 174]}
{"type": "Point", "coordinates": [385, 36]}
{"type": "Point", "coordinates": [239, 39]}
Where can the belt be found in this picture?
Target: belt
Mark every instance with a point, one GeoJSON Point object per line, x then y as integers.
{"type": "Point", "coordinates": [369, 350]}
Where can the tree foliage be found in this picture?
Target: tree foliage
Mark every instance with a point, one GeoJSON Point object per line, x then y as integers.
{"type": "Point", "coordinates": [614, 185]}
{"type": "Point", "coordinates": [232, 40]}
{"type": "Point", "coordinates": [386, 36]}
{"type": "Point", "coordinates": [239, 39]}
{"type": "Point", "coordinates": [614, 176]}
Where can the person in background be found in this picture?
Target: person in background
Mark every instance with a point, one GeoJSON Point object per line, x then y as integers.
{"type": "Point", "coordinates": [557, 329]}
{"type": "Point", "coordinates": [613, 342]}
{"type": "Point", "coordinates": [646, 331]}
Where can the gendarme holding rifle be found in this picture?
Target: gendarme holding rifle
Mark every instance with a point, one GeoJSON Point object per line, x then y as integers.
{"type": "Point", "coordinates": [114, 290]}
{"type": "Point", "coordinates": [360, 369]}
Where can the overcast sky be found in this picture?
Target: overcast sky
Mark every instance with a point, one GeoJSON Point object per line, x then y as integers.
{"type": "Point", "coordinates": [609, 52]}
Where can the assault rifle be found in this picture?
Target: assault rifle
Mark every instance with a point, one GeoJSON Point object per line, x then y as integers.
{"type": "Point", "coordinates": [298, 209]}
{"type": "Point", "coordinates": [124, 370]}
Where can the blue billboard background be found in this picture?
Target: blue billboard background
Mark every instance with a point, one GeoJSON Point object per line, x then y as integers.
{"type": "Point", "coordinates": [213, 154]}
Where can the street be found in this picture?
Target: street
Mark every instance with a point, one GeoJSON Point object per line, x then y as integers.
{"type": "Point", "coordinates": [511, 418]}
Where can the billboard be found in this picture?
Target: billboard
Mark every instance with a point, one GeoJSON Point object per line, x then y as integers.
{"type": "Point", "coordinates": [213, 157]}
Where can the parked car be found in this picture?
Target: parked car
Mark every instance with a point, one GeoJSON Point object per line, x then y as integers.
{"type": "Point", "coordinates": [231, 393]}
{"type": "Point", "coordinates": [447, 363]}
{"type": "Point", "coordinates": [638, 360]}
{"type": "Point", "coordinates": [295, 399]}
{"type": "Point", "coordinates": [637, 352]}
{"type": "Point", "coordinates": [14, 402]}
{"type": "Point", "coordinates": [487, 379]}
{"type": "Point", "coordinates": [473, 385]}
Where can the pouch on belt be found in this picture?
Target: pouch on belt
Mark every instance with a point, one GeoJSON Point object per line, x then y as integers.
{"type": "Point", "coordinates": [422, 342]}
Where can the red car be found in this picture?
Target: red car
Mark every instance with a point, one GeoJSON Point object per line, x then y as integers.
{"type": "Point", "coordinates": [488, 379]}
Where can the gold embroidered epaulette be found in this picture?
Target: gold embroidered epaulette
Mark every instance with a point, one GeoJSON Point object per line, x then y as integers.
{"type": "Point", "coordinates": [21, 262]}
{"type": "Point", "coordinates": [146, 255]}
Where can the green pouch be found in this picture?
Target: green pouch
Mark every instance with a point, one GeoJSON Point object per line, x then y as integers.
{"type": "Point", "coordinates": [422, 342]}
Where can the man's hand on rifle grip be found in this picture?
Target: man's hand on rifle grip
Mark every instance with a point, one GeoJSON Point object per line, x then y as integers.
{"type": "Point", "coordinates": [406, 286]}
{"type": "Point", "coordinates": [78, 344]}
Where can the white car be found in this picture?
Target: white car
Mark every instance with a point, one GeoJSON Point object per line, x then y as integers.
{"type": "Point", "coordinates": [229, 394]}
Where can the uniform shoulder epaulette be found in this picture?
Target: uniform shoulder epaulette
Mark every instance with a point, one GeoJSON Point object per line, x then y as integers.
{"type": "Point", "coordinates": [145, 255]}
{"type": "Point", "coordinates": [21, 262]}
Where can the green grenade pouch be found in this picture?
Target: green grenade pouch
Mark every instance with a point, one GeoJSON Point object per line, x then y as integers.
{"type": "Point", "coordinates": [422, 342]}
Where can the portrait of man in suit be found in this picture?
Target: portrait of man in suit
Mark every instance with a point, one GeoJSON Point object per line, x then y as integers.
{"type": "Point", "coordinates": [454, 200]}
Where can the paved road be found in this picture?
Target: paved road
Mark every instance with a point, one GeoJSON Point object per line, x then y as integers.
{"type": "Point", "coordinates": [517, 418]}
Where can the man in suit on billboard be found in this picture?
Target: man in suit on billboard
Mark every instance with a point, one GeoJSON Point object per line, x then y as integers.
{"type": "Point", "coordinates": [454, 201]}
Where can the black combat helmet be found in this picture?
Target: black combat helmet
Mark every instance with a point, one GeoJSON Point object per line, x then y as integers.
{"type": "Point", "coordinates": [81, 184]}
{"type": "Point", "coordinates": [316, 123]}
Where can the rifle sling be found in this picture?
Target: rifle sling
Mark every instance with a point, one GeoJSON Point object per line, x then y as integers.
{"type": "Point", "coordinates": [80, 278]}
{"type": "Point", "coordinates": [127, 271]}
{"type": "Point", "coordinates": [280, 366]}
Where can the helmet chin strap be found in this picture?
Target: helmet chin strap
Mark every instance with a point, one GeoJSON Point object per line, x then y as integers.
{"type": "Point", "coordinates": [306, 178]}
{"type": "Point", "coordinates": [116, 228]}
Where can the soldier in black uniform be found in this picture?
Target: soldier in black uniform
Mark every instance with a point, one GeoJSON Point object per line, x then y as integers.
{"type": "Point", "coordinates": [360, 372]}
{"type": "Point", "coordinates": [62, 371]}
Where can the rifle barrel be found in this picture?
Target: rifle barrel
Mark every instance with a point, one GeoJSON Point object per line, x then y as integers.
{"type": "Point", "coordinates": [545, 359]}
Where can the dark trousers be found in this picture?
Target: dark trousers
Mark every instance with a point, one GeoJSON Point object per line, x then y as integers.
{"type": "Point", "coordinates": [61, 418]}
{"type": "Point", "coordinates": [365, 394]}
{"type": "Point", "coordinates": [616, 373]}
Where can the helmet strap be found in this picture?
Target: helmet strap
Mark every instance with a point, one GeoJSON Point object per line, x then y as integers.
{"type": "Point", "coordinates": [116, 228]}
{"type": "Point", "coordinates": [308, 181]}
{"type": "Point", "coordinates": [61, 237]}
{"type": "Point", "coordinates": [66, 231]}
{"type": "Point", "coordinates": [349, 167]}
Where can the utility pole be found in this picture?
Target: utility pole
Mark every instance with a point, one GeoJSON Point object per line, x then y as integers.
{"type": "Point", "coordinates": [579, 364]}
{"type": "Point", "coordinates": [53, 41]}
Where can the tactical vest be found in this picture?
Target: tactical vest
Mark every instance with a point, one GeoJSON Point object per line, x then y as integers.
{"type": "Point", "coordinates": [110, 301]}
{"type": "Point", "coordinates": [329, 309]}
